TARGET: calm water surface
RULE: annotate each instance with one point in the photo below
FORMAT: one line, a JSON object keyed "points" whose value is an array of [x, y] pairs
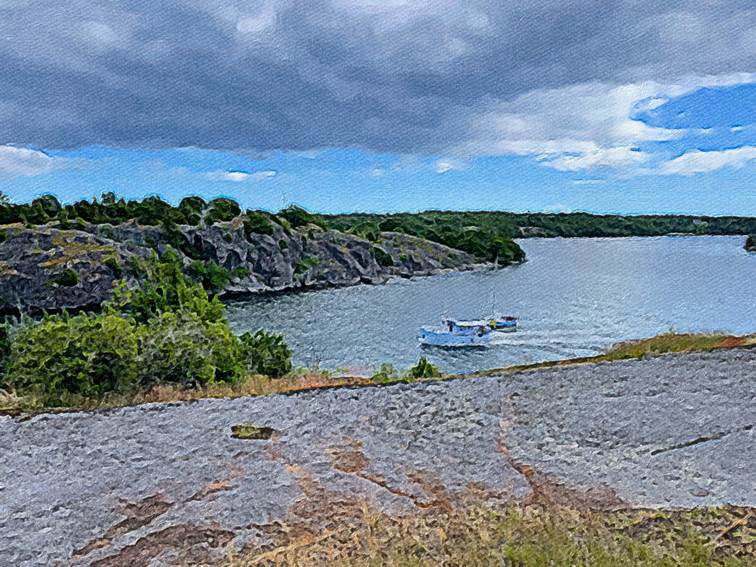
{"points": [[574, 297]]}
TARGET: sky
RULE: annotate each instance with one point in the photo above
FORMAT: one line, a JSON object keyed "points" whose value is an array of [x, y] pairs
{"points": [[612, 106]]}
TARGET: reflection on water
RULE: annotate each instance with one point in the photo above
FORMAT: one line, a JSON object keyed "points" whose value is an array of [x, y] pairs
{"points": [[574, 297]]}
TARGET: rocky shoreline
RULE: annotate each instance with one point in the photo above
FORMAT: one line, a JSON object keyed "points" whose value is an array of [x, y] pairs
{"points": [[159, 483], [52, 267]]}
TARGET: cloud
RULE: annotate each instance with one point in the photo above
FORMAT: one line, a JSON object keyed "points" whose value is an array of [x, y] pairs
{"points": [[24, 162], [585, 126], [588, 181], [240, 176], [446, 165], [697, 161], [398, 76]]}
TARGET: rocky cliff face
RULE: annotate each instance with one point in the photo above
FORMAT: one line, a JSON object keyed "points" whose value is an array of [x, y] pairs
{"points": [[50, 267]]}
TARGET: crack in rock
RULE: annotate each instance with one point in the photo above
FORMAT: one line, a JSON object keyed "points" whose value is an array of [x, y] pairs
{"points": [[702, 439]]}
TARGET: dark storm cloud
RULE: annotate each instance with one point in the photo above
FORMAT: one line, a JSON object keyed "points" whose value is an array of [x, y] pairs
{"points": [[386, 75]]}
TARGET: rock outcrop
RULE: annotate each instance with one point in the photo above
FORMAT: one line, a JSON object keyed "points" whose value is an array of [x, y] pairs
{"points": [[172, 484], [750, 243], [50, 268]]}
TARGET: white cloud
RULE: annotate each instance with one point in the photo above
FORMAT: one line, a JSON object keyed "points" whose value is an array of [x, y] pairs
{"points": [[24, 162], [617, 158], [585, 126], [697, 161], [260, 175], [588, 181], [446, 165], [240, 176]]}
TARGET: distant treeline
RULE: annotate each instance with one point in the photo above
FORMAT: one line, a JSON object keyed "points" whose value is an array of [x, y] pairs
{"points": [[486, 235], [437, 225], [152, 211]]}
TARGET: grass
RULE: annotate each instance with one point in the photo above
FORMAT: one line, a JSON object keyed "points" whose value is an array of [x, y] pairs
{"points": [[527, 536], [666, 343], [302, 380], [13, 404]]}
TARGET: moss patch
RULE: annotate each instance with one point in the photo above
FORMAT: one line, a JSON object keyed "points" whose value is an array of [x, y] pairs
{"points": [[251, 431]]}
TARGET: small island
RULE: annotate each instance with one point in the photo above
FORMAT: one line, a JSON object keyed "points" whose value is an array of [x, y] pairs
{"points": [[750, 243]]}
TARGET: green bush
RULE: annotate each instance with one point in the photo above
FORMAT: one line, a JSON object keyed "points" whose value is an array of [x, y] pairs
{"points": [[367, 230], [113, 263], [266, 353], [182, 348], [305, 264], [386, 373], [164, 288], [86, 355], [297, 216], [423, 369], [5, 349], [256, 222], [383, 258], [67, 278], [211, 275], [191, 209], [222, 210]]}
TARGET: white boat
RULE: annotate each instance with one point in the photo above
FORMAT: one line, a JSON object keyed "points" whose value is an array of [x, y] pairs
{"points": [[461, 333]]}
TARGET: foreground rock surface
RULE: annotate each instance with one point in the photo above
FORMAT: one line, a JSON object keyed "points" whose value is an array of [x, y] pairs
{"points": [[167, 483]]}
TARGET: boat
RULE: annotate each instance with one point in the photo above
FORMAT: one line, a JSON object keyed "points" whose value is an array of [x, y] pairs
{"points": [[465, 333]]}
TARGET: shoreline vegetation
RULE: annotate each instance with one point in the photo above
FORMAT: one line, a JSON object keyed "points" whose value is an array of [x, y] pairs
{"points": [[302, 380]]}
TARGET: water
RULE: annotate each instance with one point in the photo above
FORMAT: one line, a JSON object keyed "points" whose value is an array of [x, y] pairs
{"points": [[574, 297]]}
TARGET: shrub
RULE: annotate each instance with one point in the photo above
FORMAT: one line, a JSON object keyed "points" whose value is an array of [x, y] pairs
{"points": [[86, 354], [367, 230], [182, 348], [257, 222], [113, 263], [164, 288], [5, 349], [191, 208], [297, 216], [211, 275], [67, 278], [383, 258], [222, 210], [386, 373], [266, 353], [305, 264], [423, 369]]}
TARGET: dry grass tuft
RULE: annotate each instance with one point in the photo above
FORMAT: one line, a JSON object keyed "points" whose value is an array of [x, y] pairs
{"points": [[529, 536]]}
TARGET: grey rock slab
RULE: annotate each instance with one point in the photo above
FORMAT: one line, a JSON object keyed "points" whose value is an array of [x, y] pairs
{"points": [[128, 484]]}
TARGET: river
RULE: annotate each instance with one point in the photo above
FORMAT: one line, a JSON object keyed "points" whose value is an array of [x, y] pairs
{"points": [[574, 297]]}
